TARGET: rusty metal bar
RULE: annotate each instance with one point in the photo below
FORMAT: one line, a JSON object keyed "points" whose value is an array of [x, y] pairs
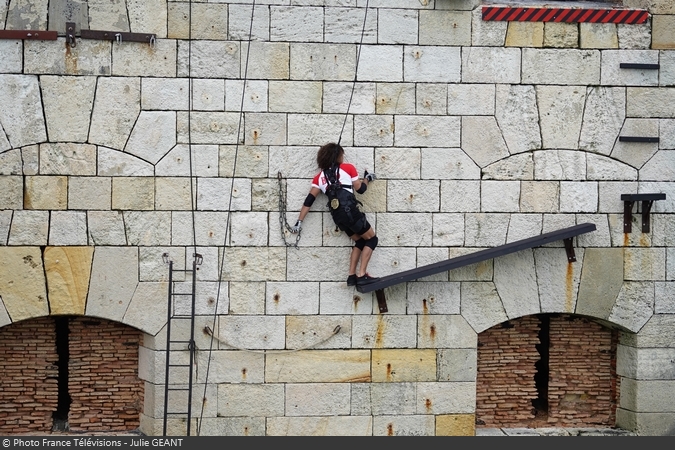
{"points": [[118, 36], [31, 35], [646, 201]]}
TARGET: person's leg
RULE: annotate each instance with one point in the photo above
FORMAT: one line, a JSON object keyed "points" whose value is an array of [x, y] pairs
{"points": [[369, 245], [356, 253]]}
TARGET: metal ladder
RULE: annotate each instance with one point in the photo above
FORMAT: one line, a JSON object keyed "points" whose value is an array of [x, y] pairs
{"points": [[180, 343]]}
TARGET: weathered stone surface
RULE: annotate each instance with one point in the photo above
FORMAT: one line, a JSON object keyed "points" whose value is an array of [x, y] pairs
{"points": [[116, 163], [251, 332], [41, 192], [499, 196], [457, 364], [516, 283], [598, 35], [30, 157], [254, 98], [221, 194], [68, 228], [612, 74], [634, 305], [27, 15], [637, 154], [432, 64], [259, 264], [337, 95], [481, 306], [317, 332], [647, 395], [165, 93], [11, 192], [413, 196], [173, 194], [482, 140], [432, 98], [73, 93], [147, 16], [485, 229], [634, 36], [240, 26], [253, 400], [320, 426], [431, 297], [491, 65], [148, 227], [326, 62], [448, 164], [114, 277], [561, 35], [660, 167], [145, 60], [67, 159], [106, 228], [604, 168], [386, 399], [376, 130], [318, 366], [153, 135], [29, 228], [523, 226], [646, 364], [115, 111], [471, 99], [451, 28], [89, 57], [560, 112], [667, 134], [448, 230], [231, 366], [539, 196], [559, 165], [558, 279], [518, 117], [21, 115], [427, 131], [89, 193], [22, 281], [145, 311], [662, 27], [338, 298], [133, 193], [644, 264], [487, 33], [561, 66], [525, 34], [5, 221], [298, 24], [292, 298], [404, 425], [109, 15], [603, 117], [445, 331], [456, 425], [314, 130], [395, 98], [518, 167], [404, 365], [650, 102], [446, 397], [13, 55], [657, 332], [381, 63], [67, 270], [601, 281], [384, 331], [406, 230], [578, 196]]}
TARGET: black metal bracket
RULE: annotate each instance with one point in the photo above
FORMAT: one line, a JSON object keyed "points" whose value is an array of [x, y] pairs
{"points": [[30, 35], [118, 36], [70, 34], [646, 201], [639, 66], [638, 139], [565, 234]]}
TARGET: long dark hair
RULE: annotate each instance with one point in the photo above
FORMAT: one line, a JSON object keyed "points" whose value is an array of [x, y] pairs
{"points": [[328, 155]]}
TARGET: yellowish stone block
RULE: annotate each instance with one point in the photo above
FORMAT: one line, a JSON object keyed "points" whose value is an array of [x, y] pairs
{"points": [[561, 35], [525, 34], [663, 32], [456, 425], [68, 270], [22, 283], [46, 192], [404, 365], [318, 366], [598, 35]]}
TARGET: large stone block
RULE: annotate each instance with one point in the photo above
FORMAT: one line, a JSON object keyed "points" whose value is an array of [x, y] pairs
{"points": [[598, 35], [451, 28], [434, 297], [446, 397], [320, 426], [252, 332], [296, 24], [601, 281], [396, 26], [147, 16], [445, 331], [116, 109], [456, 425], [114, 277], [414, 196], [525, 34], [73, 93], [650, 102], [145, 60], [481, 306], [21, 115], [68, 228], [251, 400], [491, 65], [647, 396], [457, 364], [431, 64], [634, 305], [646, 364], [404, 365], [133, 193], [561, 66], [317, 399], [29, 228], [558, 279], [384, 331], [88, 57], [516, 283], [518, 117], [560, 110], [23, 285], [662, 31], [41, 192], [335, 62]]}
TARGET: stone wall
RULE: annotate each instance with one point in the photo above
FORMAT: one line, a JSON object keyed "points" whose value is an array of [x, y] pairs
{"points": [[481, 133]]}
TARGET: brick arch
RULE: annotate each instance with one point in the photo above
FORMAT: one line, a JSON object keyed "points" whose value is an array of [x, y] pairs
{"points": [[69, 372], [547, 370]]}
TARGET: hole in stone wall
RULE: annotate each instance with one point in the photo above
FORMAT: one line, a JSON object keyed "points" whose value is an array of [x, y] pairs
{"points": [[540, 404], [60, 416]]}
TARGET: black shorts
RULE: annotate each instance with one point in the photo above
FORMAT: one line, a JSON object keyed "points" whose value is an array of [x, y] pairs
{"points": [[359, 227]]}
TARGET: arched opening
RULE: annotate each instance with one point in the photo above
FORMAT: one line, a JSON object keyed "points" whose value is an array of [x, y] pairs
{"points": [[549, 370], [69, 373]]}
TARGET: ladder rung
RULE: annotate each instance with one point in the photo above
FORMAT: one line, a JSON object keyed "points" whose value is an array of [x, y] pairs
{"points": [[177, 389]]}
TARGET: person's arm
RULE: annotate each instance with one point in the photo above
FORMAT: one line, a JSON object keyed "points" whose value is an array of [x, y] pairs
{"points": [[361, 185], [313, 193]]}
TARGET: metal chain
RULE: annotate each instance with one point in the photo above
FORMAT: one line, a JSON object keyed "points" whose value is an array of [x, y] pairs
{"points": [[283, 222]]}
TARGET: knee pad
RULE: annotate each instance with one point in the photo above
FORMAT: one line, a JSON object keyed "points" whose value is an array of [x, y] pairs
{"points": [[372, 242], [360, 244]]}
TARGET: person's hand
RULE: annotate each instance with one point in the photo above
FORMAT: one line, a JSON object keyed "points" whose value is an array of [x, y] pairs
{"points": [[368, 176], [297, 227]]}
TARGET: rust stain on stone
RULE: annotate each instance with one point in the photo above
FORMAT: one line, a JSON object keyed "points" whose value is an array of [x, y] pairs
{"points": [[569, 287], [71, 61], [243, 373], [389, 372], [379, 335], [427, 404], [425, 307], [626, 239], [390, 429], [277, 297]]}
